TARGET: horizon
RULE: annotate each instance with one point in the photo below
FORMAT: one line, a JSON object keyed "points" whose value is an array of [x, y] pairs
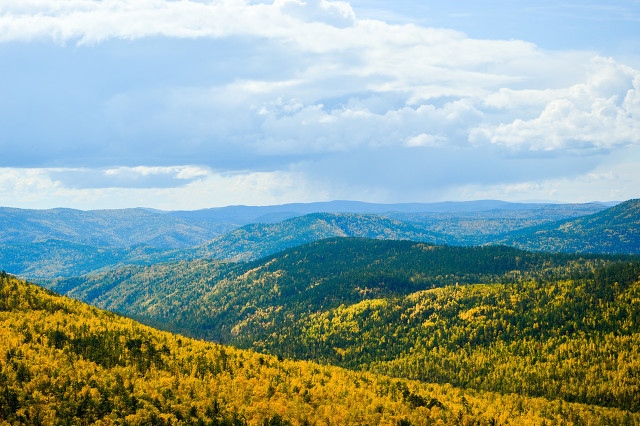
{"points": [[204, 104], [532, 202]]}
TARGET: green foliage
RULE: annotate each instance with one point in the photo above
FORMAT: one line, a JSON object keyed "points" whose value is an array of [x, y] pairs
{"points": [[613, 230], [105, 228], [237, 302], [254, 241], [481, 227], [55, 258]]}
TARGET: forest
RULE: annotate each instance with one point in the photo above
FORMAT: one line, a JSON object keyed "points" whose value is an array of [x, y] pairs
{"points": [[342, 330], [483, 318], [64, 362]]}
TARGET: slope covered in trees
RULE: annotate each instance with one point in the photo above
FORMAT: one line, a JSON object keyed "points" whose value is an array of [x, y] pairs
{"points": [[577, 339], [614, 231], [480, 227], [487, 318], [64, 362], [56, 258], [254, 241], [29, 256], [105, 228], [214, 298]]}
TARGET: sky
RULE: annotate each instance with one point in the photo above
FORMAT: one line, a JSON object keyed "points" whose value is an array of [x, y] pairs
{"points": [[187, 104]]}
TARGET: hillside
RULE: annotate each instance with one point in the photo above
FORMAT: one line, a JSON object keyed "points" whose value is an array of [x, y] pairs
{"points": [[55, 258], [105, 228], [490, 318], [218, 299], [576, 339], [615, 230], [63, 242], [480, 227], [258, 240], [67, 363]]}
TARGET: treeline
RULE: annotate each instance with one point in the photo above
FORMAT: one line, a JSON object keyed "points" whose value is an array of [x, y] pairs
{"points": [[64, 362]]}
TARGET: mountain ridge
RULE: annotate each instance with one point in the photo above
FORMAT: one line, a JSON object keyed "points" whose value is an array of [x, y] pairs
{"points": [[615, 230]]}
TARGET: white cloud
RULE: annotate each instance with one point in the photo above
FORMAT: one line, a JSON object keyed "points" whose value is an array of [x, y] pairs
{"points": [[599, 114], [35, 188], [424, 139], [336, 13], [127, 177], [617, 183]]}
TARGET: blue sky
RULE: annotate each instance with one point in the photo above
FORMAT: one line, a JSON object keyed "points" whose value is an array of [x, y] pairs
{"points": [[193, 104]]}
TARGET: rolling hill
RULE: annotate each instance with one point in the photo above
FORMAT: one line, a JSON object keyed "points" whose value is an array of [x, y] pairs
{"points": [[615, 230], [55, 258], [105, 228], [216, 297], [479, 227], [64, 362], [59, 258], [243, 215], [254, 241], [483, 318]]}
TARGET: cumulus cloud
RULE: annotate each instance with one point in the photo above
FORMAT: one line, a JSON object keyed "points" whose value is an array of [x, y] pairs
{"points": [[128, 177], [336, 13], [92, 21], [599, 114]]}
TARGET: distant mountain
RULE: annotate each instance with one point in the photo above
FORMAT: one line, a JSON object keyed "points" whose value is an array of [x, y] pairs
{"points": [[55, 258], [615, 230], [105, 228], [242, 215], [51, 258], [479, 227], [257, 240]]}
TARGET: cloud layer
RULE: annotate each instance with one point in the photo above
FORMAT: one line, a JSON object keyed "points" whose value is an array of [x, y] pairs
{"points": [[134, 94]]}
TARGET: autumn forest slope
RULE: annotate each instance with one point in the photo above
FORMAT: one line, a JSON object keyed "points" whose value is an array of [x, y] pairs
{"points": [[65, 362], [484, 318]]}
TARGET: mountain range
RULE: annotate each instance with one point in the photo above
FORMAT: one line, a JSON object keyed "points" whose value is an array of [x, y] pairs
{"points": [[614, 230], [34, 255]]}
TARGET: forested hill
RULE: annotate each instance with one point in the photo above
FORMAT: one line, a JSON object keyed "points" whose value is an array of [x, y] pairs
{"points": [[615, 230], [64, 362], [486, 318], [105, 228], [232, 301], [257, 240], [56, 258], [91, 242]]}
